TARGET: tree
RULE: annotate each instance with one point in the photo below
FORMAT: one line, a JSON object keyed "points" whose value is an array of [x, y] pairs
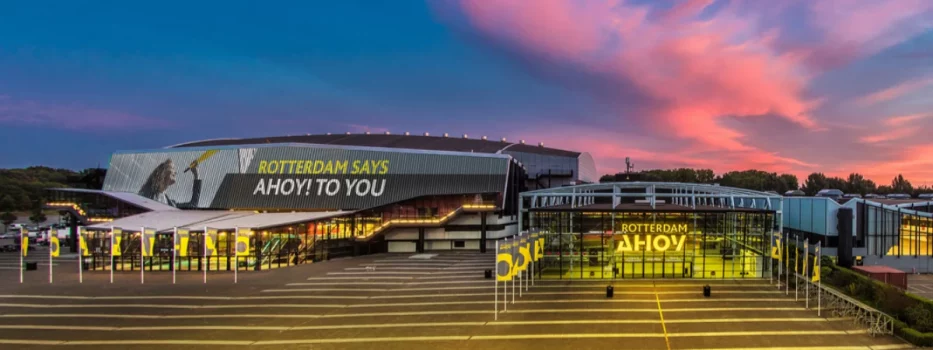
{"points": [[7, 203], [815, 182], [859, 184], [901, 185], [7, 218], [37, 215]]}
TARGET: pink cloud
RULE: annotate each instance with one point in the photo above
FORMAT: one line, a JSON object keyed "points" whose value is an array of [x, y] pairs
{"points": [[904, 119], [71, 116], [890, 135], [894, 92]]}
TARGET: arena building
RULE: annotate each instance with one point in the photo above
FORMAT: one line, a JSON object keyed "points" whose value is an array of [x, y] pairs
{"points": [[309, 198]]}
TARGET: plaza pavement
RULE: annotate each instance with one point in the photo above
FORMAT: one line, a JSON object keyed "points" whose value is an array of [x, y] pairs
{"points": [[393, 301]]}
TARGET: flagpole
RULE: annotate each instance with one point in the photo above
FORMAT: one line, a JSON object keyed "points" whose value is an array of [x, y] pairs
{"points": [[796, 263], [787, 264], [806, 271], [204, 255], [514, 245], [174, 253], [819, 291], [780, 261], [771, 261], [496, 300], [236, 256], [142, 254], [22, 251], [505, 284], [50, 251], [80, 258], [112, 239]]}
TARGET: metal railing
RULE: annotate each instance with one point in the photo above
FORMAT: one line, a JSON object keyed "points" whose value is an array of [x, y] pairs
{"points": [[843, 306]]}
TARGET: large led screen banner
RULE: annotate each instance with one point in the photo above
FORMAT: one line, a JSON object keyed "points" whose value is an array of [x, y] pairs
{"points": [[300, 177]]}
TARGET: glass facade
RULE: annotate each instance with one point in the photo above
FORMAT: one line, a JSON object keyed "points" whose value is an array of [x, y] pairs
{"points": [[608, 244], [887, 232]]}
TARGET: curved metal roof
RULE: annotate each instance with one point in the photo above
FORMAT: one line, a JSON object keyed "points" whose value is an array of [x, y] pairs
{"points": [[434, 143], [675, 193]]}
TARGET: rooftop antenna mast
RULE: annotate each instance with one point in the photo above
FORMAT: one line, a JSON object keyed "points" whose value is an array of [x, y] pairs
{"points": [[629, 166]]}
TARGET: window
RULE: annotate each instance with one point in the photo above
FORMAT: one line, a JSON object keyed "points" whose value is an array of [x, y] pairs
{"points": [[459, 244]]}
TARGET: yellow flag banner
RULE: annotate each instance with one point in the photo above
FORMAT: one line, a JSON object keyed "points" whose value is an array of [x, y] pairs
{"points": [[504, 262], [776, 247], [24, 240], [210, 242], [796, 258], [806, 256], [147, 241], [117, 238], [525, 250], [54, 246], [816, 264], [181, 242], [83, 243], [242, 242]]}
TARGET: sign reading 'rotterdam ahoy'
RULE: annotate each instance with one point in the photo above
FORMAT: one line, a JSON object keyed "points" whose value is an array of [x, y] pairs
{"points": [[651, 243], [652, 237]]}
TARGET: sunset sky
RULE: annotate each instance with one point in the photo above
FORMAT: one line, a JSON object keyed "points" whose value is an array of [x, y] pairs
{"points": [[787, 86]]}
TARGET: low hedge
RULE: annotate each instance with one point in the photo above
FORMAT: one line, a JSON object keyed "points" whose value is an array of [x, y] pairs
{"points": [[913, 315]]}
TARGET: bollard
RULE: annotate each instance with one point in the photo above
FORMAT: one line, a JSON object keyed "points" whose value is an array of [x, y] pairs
{"points": [[706, 291], [31, 266], [609, 291], [488, 274]]}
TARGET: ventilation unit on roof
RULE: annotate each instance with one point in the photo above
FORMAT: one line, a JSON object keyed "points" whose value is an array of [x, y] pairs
{"points": [[388, 133], [407, 133], [521, 141], [540, 144], [348, 133], [427, 134], [445, 134], [484, 138], [504, 140], [466, 136]]}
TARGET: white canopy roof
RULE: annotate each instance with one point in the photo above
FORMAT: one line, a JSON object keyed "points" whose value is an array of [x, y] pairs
{"points": [[127, 197], [197, 220], [263, 220]]}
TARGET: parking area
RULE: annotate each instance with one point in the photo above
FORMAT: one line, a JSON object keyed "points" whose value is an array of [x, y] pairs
{"points": [[393, 301], [921, 285]]}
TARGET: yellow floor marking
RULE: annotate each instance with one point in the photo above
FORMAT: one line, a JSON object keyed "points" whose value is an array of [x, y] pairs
{"points": [[663, 326], [360, 278], [346, 284], [662, 293], [172, 297], [30, 342], [359, 340], [389, 325], [257, 316], [624, 286], [566, 336], [158, 342], [412, 296], [867, 347], [377, 273], [759, 333], [171, 306], [474, 278], [438, 288], [423, 303], [652, 321], [740, 320], [653, 310], [413, 313], [652, 301], [322, 290]]}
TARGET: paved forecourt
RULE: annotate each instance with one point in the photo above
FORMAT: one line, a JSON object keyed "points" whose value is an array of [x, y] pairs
{"points": [[400, 302]]}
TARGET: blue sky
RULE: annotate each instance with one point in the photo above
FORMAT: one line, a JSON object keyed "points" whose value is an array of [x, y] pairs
{"points": [[81, 80]]}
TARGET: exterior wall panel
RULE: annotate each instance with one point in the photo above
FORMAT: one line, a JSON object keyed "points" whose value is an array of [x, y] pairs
{"points": [[300, 177]]}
